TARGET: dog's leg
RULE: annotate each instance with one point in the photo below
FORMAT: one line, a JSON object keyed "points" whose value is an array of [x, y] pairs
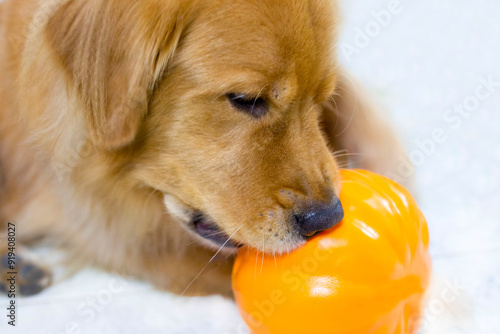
{"points": [[30, 274], [206, 277], [192, 271], [359, 136], [20, 268]]}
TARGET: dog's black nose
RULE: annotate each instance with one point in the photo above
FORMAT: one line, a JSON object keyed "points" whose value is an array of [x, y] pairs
{"points": [[319, 217]]}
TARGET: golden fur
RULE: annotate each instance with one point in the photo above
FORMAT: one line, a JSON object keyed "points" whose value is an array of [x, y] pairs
{"points": [[112, 109]]}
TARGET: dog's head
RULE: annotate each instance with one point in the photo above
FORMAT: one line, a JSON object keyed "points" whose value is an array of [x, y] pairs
{"points": [[220, 104]]}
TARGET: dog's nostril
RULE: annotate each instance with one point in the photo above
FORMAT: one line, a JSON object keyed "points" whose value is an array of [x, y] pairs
{"points": [[319, 217]]}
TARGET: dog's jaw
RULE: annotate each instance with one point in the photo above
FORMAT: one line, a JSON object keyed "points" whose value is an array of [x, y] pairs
{"points": [[209, 234], [198, 226]]}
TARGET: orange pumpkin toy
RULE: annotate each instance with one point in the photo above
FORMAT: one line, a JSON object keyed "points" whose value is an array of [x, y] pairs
{"points": [[366, 275]]}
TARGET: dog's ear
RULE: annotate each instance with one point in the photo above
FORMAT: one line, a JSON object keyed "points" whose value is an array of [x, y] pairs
{"points": [[114, 52]]}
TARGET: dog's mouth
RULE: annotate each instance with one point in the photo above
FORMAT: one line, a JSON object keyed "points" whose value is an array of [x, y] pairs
{"points": [[208, 230]]}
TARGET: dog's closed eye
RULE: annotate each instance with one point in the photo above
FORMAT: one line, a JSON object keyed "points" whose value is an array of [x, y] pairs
{"points": [[254, 106]]}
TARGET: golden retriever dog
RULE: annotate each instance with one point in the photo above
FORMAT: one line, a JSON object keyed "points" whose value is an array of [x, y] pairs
{"points": [[153, 138]]}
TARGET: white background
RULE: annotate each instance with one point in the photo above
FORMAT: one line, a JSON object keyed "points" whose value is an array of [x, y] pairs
{"points": [[428, 58]]}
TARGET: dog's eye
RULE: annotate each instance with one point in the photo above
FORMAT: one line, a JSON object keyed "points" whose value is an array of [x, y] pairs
{"points": [[257, 107]]}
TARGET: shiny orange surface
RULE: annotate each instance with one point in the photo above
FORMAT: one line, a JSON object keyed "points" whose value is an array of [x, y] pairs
{"points": [[367, 275]]}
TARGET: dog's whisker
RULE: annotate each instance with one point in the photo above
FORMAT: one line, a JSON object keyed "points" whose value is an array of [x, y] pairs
{"points": [[208, 263], [340, 151], [209, 235], [351, 118], [352, 155], [216, 233], [334, 101], [351, 164], [224, 245], [344, 166], [255, 268], [363, 175], [233, 231], [263, 253]]}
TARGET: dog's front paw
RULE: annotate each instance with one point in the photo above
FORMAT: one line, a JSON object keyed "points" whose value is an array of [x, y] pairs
{"points": [[23, 276]]}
